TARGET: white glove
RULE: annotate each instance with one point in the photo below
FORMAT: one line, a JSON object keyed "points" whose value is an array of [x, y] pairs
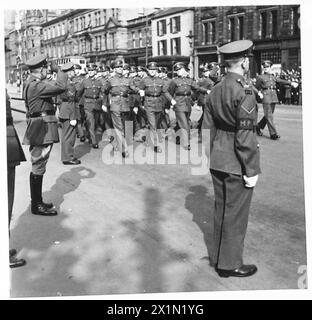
{"points": [[167, 111], [208, 91], [73, 122], [260, 94], [142, 93], [173, 102], [250, 182], [295, 84], [135, 110], [104, 108]]}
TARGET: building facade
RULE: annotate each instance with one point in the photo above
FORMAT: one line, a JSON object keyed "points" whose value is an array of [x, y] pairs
{"points": [[172, 33], [273, 29]]}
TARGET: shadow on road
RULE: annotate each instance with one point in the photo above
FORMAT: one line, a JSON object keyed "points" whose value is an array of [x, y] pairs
{"points": [[41, 240], [82, 149], [201, 205]]}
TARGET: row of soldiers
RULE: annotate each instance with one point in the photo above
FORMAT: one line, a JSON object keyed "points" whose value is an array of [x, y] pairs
{"points": [[104, 99]]}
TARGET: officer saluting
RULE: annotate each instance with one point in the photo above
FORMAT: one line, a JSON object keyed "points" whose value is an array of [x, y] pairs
{"points": [[68, 116], [231, 114], [42, 129]]}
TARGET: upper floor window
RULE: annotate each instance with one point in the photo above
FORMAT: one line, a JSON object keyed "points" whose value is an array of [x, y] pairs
{"points": [[175, 24], [294, 18], [176, 46], [161, 27], [162, 47], [133, 39], [140, 38], [209, 32], [236, 27]]}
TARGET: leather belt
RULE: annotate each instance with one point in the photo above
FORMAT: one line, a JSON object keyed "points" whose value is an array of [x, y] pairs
{"points": [[183, 95], [94, 98], [124, 95], [228, 128], [153, 95], [42, 114]]}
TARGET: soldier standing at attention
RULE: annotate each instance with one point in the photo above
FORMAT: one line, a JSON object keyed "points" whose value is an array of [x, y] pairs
{"points": [[118, 89], [42, 128], [91, 90], [180, 89], [266, 84], [68, 116], [231, 114], [153, 88]]}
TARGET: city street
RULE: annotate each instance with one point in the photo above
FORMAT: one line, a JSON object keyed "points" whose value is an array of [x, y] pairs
{"points": [[135, 228]]}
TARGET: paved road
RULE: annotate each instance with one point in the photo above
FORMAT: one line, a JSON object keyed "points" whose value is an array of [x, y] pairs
{"points": [[147, 228]]}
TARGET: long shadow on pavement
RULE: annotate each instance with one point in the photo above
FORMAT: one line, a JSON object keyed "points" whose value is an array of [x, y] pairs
{"points": [[201, 206], [41, 240]]}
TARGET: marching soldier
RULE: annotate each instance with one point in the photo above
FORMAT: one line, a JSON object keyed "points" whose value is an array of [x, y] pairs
{"points": [[153, 88], [68, 116], [266, 84], [231, 114], [165, 122], [180, 90], [118, 89], [42, 128], [15, 155], [91, 90], [79, 76], [208, 81]]}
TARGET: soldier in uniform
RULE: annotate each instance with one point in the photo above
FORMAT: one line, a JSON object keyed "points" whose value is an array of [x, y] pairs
{"points": [[266, 84], [153, 89], [91, 90], [15, 155], [79, 76], [42, 128], [180, 90], [207, 81], [68, 115], [118, 88], [231, 114], [165, 119]]}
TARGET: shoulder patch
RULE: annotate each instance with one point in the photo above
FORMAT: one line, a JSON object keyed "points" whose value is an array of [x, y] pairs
{"points": [[248, 91]]}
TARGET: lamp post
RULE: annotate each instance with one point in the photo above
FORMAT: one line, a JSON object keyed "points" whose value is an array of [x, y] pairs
{"points": [[190, 36]]}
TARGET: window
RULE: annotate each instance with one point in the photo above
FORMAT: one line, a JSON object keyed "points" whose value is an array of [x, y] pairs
{"points": [[133, 39], [32, 43], [95, 19], [263, 22], [232, 29], [175, 24], [99, 18], [274, 24], [161, 27], [105, 42], [98, 42], [104, 16], [113, 12], [241, 27], [140, 39], [89, 22], [294, 19], [175, 46], [162, 47], [209, 32], [113, 40], [273, 55]]}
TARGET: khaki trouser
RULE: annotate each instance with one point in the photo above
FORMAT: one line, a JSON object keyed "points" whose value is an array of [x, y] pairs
{"points": [[232, 203], [39, 156]]}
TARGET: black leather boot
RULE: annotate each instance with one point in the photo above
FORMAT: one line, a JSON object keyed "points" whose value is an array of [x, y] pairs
{"points": [[37, 206], [38, 179]]}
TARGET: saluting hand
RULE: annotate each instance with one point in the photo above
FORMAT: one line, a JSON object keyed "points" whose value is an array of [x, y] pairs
{"points": [[104, 108], [135, 110]]}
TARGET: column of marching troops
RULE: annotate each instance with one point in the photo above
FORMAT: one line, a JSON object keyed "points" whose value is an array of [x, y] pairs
{"points": [[106, 98]]}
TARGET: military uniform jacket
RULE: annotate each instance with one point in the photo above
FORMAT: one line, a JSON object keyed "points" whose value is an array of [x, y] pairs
{"points": [[68, 101], [266, 83], [206, 83], [15, 153], [181, 89], [119, 89], [231, 113], [38, 96], [136, 98], [91, 89], [154, 89]]}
